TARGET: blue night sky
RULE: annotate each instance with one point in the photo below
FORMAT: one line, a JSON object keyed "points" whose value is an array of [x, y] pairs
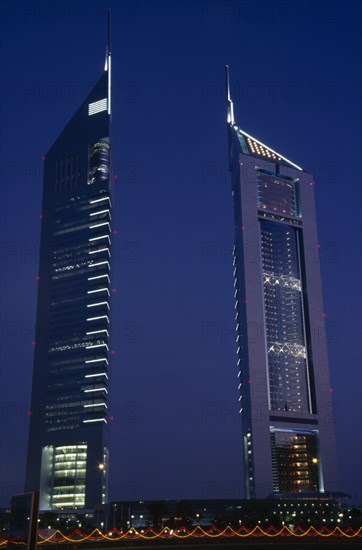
{"points": [[296, 82]]}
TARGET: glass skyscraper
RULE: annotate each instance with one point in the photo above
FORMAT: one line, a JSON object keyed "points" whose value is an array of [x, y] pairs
{"points": [[283, 377], [68, 438]]}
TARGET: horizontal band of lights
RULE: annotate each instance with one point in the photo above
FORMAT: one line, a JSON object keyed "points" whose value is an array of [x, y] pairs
{"points": [[100, 200], [99, 238], [98, 290], [62, 467], [67, 495], [71, 457], [149, 533], [99, 317], [97, 360], [100, 212], [98, 304], [97, 332], [98, 346], [285, 281], [98, 250], [69, 504], [295, 350], [92, 390], [97, 374], [99, 225], [99, 263], [70, 448], [94, 420], [99, 277], [96, 405], [97, 107]]}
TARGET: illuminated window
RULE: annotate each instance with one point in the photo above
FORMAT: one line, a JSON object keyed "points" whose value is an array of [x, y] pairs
{"points": [[99, 161], [277, 194], [97, 107], [64, 474], [295, 461]]}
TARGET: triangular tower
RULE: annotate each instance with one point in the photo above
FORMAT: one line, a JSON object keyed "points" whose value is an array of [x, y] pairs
{"points": [[68, 437]]}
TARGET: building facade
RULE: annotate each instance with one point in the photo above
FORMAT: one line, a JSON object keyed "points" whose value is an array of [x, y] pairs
{"points": [[283, 376], [68, 439]]}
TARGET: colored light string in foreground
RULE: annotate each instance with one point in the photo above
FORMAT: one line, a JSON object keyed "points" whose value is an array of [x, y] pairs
{"points": [[183, 533]]}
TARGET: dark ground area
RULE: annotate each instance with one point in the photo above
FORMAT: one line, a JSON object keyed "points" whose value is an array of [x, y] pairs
{"points": [[280, 544]]}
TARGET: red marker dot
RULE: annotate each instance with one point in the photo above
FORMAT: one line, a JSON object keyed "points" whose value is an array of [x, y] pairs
{"points": [[34, 343], [318, 245], [331, 390], [113, 352], [111, 418], [29, 413], [324, 315], [115, 177], [41, 216], [37, 277], [114, 290], [43, 157], [249, 381]]}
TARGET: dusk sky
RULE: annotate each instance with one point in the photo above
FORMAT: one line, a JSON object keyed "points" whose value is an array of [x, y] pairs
{"points": [[296, 85]]}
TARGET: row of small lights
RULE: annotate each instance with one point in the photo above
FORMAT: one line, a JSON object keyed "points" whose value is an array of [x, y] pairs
{"points": [[212, 532], [98, 250]]}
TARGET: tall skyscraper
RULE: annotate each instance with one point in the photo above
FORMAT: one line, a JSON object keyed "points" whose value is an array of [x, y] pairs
{"points": [[285, 395], [68, 438]]}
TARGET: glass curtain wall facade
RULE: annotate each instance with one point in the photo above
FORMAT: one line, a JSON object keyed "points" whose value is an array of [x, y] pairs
{"points": [[283, 376], [68, 438]]}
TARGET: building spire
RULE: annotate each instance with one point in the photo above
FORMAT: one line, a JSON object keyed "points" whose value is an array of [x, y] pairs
{"points": [[107, 66], [109, 32], [230, 116], [108, 48]]}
